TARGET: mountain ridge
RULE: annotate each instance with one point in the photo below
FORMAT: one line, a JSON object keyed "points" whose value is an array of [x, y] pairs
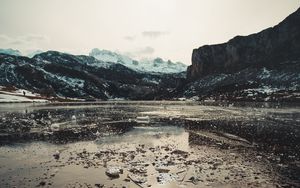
{"points": [[157, 65], [265, 48], [262, 66], [59, 74]]}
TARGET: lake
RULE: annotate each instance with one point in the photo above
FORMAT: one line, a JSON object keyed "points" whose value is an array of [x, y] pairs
{"points": [[149, 144]]}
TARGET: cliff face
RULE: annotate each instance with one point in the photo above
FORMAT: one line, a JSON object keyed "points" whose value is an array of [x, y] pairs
{"points": [[272, 48]]}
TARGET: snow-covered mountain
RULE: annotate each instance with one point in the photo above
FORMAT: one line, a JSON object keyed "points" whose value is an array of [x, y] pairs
{"points": [[10, 52], [33, 53], [156, 65], [55, 74]]}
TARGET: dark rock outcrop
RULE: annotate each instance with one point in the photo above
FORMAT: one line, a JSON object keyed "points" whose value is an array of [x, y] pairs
{"points": [[260, 67], [272, 48]]}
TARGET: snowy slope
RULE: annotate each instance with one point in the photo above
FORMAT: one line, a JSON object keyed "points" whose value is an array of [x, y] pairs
{"points": [[157, 65], [10, 52], [17, 95], [6, 98], [31, 54]]}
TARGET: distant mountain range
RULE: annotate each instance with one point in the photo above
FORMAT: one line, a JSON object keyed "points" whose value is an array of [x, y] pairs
{"points": [[157, 65], [54, 73], [10, 52]]}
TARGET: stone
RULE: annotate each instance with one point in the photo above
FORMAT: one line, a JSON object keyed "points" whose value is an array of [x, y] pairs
{"points": [[114, 172], [56, 155], [42, 183], [99, 185], [162, 169]]}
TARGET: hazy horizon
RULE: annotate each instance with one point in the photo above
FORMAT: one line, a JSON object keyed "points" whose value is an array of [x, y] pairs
{"points": [[169, 29]]}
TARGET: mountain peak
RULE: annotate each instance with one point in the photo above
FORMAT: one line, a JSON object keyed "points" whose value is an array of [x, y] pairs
{"points": [[157, 65], [271, 48], [10, 51]]}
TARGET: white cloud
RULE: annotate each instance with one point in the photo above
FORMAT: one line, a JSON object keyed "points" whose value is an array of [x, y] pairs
{"points": [[23, 43], [37, 38], [154, 34], [130, 38]]}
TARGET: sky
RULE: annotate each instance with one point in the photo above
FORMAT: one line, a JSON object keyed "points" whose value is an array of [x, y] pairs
{"points": [[169, 29]]}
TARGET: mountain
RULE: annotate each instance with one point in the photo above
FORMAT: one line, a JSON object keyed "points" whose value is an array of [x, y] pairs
{"points": [[10, 52], [156, 65], [59, 74], [33, 53], [259, 66]]}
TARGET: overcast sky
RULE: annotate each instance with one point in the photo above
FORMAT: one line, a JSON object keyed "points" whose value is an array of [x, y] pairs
{"points": [[170, 29]]}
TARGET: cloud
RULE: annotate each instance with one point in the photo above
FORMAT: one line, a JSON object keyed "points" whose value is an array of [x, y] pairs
{"points": [[154, 34], [23, 39], [38, 38], [4, 38], [22, 43], [130, 38]]}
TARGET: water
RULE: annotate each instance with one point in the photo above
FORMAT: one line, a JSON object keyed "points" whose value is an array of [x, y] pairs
{"points": [[185, 144]]}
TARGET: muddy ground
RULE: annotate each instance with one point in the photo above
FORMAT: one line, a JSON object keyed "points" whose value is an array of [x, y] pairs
{"points": [[150, 144]]}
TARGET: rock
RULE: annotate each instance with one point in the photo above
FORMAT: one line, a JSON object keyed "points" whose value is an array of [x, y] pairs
{"points": [[56, 155], [141, 170], [127, 179], [180, 152], [240, 52], [164, 178], [137, 179], [244, 67], [162, 169], [114, 172], [42, 183], [99, 185]]}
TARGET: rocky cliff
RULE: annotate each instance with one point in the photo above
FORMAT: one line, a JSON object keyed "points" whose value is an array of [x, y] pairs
{"points": [[260, 67], [272, 48]]}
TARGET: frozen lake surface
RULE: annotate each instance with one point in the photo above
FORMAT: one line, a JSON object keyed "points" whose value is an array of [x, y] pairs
{"points": [[149, 144]]}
